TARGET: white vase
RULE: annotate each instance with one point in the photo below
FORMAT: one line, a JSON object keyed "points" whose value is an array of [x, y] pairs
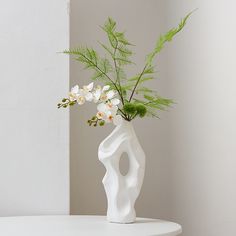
{"points": [[122, 191]]}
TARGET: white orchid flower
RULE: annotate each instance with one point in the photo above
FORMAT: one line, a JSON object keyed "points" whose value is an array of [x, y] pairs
{"points": [[100, 92], [100, 115], [73, 94], [113, 102], [111, 114], [86, 92], [80, 99], [107, 112], [110, 94], [81, 95], [108, 106], [97, 93], [107, 96], [88, 88], [88, 96], [105, 88]]}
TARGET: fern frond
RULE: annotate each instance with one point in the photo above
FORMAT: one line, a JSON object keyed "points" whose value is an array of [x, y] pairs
{"points": [[91, 60], [157, 102], [166, 38], [159, 45], [118, 43]]}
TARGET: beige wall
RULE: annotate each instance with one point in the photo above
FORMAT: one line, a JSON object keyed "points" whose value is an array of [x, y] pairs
{"points": [[191, 166]]}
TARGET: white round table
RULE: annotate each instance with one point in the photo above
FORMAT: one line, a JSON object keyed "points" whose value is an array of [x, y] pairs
{"points": [[83, 226]]}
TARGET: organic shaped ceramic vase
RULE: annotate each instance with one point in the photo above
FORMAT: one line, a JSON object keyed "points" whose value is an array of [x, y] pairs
{"points": [[122, 191]]}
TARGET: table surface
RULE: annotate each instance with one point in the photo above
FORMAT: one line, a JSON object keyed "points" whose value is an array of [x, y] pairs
{"points": [[83, 226]]}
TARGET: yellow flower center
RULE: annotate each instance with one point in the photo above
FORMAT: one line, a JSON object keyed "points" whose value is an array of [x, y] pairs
{"points": [[110, 117]]}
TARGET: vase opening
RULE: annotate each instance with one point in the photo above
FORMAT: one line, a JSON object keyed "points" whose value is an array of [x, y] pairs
{"points": [[124, 164]]}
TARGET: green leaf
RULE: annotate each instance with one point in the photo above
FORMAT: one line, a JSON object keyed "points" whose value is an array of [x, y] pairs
{"points": [[109, 25], [142, 80], [166, 38], [149, 70], [123, 61], [149, 98], [158, 103], [145, 91]]}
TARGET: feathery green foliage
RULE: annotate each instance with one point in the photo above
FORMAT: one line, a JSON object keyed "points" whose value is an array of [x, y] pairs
{"points": [[137, 99], [91, 60], [167, 37]]}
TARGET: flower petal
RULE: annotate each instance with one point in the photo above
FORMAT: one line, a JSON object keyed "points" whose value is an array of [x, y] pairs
{"points": [[72, 97], [82, 92], [98, 87], [75, 89], [80, 100], [108, 118], [115, 101], [90, 86], [102, 107], [105, 88], [89, 96], [110, 94], [96, 95], [100, 115]]}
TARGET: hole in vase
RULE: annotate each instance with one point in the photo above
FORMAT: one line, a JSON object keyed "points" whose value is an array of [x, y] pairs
{"points": [[124, 164]]}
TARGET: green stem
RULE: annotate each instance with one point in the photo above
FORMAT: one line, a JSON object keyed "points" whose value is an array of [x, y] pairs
{"points": [[134, 116], [116, 69], [123, 114], [117, 75], [103, 73], [137, 82]]}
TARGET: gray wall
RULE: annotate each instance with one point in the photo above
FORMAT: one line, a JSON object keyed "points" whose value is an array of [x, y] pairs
{"points": [[34, 156], [191, 150]]}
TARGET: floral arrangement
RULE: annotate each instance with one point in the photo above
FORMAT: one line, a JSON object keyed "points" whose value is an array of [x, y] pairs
{"points": [[119, 97]]}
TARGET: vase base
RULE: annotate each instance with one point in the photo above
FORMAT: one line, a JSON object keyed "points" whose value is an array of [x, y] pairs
{"points": [[121, 221]]}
